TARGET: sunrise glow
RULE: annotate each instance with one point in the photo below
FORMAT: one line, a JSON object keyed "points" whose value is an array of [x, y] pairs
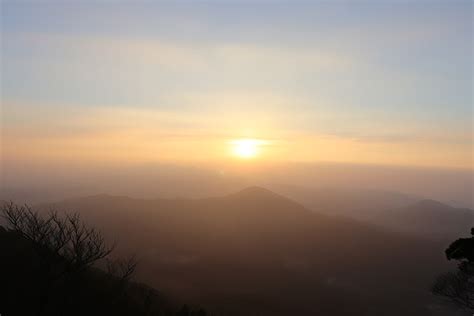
{"points": [[247, 148]]}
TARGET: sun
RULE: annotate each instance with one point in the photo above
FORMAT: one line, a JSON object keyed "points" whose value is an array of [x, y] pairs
{"points": [[246, 148]]}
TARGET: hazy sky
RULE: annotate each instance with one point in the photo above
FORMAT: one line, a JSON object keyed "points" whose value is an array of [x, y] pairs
{"points": [[355, 81]]}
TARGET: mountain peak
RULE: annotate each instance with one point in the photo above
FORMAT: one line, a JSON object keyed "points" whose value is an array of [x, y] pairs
{"points": [[431, 204], [256, 191], [265, 197]]}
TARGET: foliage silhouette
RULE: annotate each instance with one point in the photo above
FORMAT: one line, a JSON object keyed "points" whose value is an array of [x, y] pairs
{"points": [[458, 286]]}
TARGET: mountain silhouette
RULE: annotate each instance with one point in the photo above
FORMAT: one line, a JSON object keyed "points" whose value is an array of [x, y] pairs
{"points": [[355, 203], [255, 250], [427, 218], [395, 211]]}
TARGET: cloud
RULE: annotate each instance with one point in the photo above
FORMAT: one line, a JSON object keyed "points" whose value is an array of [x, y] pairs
{"points": [[185, 56]]}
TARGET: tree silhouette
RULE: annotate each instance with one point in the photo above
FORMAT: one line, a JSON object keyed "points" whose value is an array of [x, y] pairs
{"points": [[458, 286], [123, 269], [50, 263], [65, 247], [67, 237]]}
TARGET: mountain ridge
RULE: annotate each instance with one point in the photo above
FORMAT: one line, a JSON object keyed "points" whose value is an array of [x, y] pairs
{"points": [[260, 240]]}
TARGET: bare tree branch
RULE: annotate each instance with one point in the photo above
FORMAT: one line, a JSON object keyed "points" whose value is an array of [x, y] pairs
{"points": [[67, 237]]}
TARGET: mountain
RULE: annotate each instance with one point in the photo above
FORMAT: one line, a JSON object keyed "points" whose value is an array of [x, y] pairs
{"points": [[428, 218], [359, 204], [391, 210], [256, 252]]}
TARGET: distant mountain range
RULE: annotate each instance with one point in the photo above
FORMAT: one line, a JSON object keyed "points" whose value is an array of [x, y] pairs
{"points": [[256, 252], [428, 218], [395, 211]]}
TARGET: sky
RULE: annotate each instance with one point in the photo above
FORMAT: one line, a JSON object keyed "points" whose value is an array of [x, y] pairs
{"points": [[359, 82]]}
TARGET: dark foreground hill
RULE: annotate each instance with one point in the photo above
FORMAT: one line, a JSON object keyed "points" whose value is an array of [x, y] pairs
{"points": [[258, 253], [44, 272]]}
